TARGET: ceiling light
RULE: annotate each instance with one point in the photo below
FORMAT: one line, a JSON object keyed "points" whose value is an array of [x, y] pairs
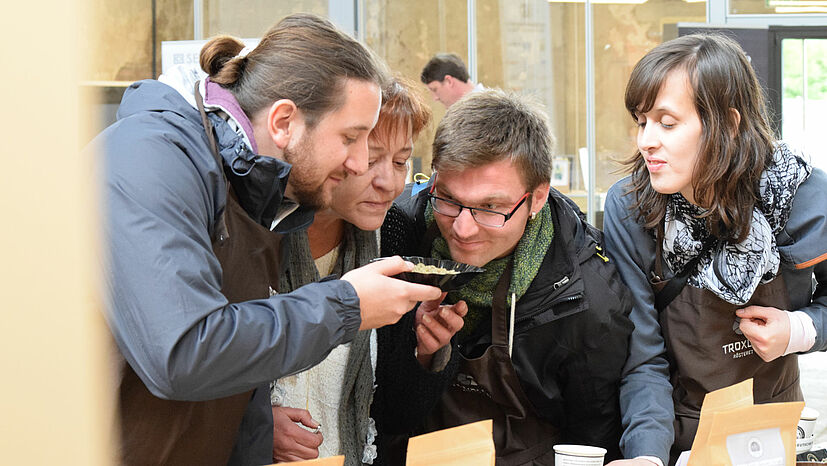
{"points": [[801, 9], [604, 2]]}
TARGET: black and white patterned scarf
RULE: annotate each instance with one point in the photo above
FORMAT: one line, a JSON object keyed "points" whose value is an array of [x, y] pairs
{"points": [[734, 271]]}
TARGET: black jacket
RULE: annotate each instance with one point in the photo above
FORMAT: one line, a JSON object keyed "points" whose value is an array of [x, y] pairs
{"points": [[571, 335]]}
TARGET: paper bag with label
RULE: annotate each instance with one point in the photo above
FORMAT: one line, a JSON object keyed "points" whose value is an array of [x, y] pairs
{"points": [[466, 445], [734, 432], [732, 397], [329, 461], [758, 435]]}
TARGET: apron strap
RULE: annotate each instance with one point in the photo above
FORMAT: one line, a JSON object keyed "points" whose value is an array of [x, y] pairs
{"points": [[208, 128], [499, 316], [428, 240], [673, 287], [220, 229]]}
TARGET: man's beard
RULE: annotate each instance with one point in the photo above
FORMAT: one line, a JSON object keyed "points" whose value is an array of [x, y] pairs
{"points": [[305, 179]]}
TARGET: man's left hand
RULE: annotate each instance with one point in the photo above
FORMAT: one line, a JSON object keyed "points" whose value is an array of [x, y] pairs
{"points": [[435, 325]]}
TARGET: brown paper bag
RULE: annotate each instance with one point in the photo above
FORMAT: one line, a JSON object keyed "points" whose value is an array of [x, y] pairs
{"points": [[732, 397], [467, 445], [329, 461], [732, 431], [760, 434]]}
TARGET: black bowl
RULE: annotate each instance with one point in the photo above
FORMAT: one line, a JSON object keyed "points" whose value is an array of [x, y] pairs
{"points": [[445, 282]]}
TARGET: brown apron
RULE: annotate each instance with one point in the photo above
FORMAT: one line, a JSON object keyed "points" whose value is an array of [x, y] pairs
{"points": [[487, 387], [157, 431], [707, 351]]}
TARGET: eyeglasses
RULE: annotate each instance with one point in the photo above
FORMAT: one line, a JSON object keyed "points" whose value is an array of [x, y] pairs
{"points": [[484, 217]]}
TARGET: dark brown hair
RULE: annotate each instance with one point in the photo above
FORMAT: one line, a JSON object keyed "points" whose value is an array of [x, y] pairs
{"points": [[441, 65], [303, 58], [731, 156], [403, 105], [493, 125]]}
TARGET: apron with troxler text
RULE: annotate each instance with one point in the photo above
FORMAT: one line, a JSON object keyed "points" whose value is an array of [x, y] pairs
{"points": [[487, 387], [157, 431], [707, 351]]}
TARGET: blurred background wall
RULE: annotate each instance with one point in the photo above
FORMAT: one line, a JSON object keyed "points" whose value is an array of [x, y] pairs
{"points": [[55, 396]]}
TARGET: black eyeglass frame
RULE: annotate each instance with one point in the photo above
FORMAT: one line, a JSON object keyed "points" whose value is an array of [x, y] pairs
{"points": [[506, 217]]}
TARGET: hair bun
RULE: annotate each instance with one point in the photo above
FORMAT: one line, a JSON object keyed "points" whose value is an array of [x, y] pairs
{"points": [[217, 53]]}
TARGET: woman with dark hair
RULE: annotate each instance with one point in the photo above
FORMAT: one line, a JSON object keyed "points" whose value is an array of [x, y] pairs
{"points": [[720, 232]]}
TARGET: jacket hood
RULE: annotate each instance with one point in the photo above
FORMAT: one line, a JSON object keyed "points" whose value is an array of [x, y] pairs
{"points": [[258, 181], [153, 96]]}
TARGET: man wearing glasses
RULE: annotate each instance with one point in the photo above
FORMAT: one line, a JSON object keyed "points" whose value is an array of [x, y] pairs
{"points": [[545, 336]]}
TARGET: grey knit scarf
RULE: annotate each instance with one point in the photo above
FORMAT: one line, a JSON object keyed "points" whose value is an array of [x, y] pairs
{"points": [[357, 248]]}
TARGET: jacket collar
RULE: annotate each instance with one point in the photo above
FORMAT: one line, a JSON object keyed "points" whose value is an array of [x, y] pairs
{"points": [[559, 275], [258, 181], [216, 97]]}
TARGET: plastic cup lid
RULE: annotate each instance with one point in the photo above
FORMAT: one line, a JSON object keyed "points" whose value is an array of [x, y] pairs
{"points": [[580, 450], [809, 414]]}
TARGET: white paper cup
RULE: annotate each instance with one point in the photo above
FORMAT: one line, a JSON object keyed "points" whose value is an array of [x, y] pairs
{"points": [[578, 455], [806, 426]]}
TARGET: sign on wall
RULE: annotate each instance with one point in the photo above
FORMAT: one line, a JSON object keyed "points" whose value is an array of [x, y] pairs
{"points": [[186, 52]]}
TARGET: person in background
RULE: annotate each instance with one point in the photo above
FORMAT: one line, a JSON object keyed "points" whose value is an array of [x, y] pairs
{"points": [[342, 238], [720, 233], [447, 79], [545, 336], [196, 199]]}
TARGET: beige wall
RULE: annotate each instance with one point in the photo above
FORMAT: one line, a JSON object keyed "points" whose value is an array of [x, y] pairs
{"points": [[407, 35], [623, 34], [55, 397], [118, 36], [252, 18]]}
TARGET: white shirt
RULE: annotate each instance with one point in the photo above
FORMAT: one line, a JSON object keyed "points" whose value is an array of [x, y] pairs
{"points": [[319, 389]]}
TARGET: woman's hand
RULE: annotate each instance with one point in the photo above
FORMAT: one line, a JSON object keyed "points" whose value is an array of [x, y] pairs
{"points": [[767, 328], [435, 325], [292, 442]]}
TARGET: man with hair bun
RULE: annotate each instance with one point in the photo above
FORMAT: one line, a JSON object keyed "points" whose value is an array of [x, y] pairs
{"points": [[199, 185]]}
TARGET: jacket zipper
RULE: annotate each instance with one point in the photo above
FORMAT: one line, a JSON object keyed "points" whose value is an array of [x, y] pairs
{"points": [[561, 283], [567, 299]]}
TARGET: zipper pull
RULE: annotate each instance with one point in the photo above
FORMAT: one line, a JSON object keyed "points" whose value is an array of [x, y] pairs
{"points": [[598, 250], [560, 283]]}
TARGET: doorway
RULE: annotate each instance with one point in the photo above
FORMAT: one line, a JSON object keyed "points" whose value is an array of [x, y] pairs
{"points": [[799, 79]]}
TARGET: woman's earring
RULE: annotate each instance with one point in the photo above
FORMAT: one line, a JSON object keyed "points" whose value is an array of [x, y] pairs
{"points": [[533, 215]]}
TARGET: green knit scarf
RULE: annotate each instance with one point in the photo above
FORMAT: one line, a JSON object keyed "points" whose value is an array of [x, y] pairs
{"points": [[479, 292]]}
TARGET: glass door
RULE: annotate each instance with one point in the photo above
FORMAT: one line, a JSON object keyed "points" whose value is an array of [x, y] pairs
{"points": [[804, 95], [798, 87]]}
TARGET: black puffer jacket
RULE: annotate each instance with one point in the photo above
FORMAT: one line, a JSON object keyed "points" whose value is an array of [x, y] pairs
{"points": [[571, 335]]}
